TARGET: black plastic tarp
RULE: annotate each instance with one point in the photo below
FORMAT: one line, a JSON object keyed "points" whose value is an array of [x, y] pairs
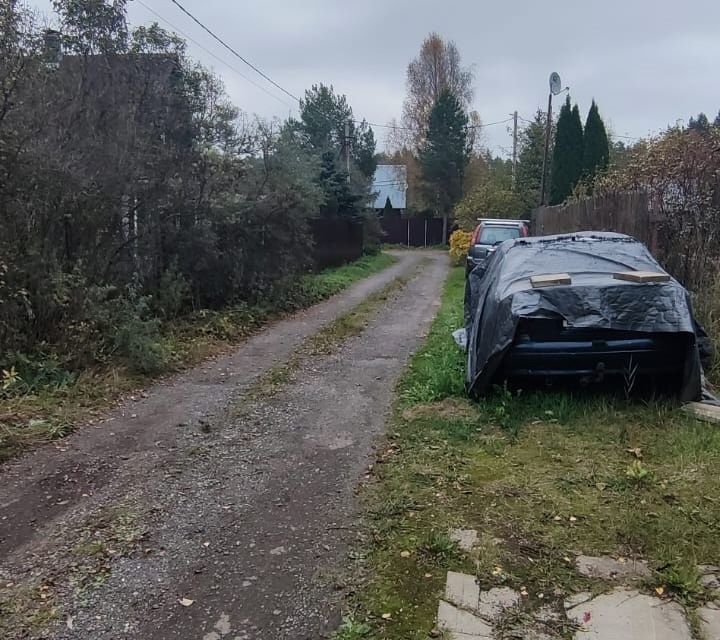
{"points": [[499, 294]]}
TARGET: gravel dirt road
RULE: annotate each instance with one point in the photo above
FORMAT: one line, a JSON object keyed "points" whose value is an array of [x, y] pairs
{"points": [[201, 512]]}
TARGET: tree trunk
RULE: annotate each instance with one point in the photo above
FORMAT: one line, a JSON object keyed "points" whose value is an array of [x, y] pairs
{"points": [[445, 229]]}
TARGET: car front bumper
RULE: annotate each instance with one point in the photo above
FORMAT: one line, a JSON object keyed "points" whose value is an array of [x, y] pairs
{"points": [[594, 357]]}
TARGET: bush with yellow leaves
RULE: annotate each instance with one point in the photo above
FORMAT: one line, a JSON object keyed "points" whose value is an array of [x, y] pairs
{"points": [[459, 245]]}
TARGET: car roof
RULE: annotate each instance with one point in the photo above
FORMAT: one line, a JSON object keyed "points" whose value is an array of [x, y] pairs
{"points": [[496, 222]]}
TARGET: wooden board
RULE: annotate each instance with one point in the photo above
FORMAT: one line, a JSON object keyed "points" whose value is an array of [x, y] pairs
{"points": [[706, 412], [550, 279], [641, 276]]}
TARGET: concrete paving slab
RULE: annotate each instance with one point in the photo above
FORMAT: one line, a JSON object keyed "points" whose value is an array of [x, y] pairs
{"points": [[710, 621], [462, 625], [626, 613], [576, 599], [609, 568], [462, 590], [494, 602], [466, 539], [709, 576]]}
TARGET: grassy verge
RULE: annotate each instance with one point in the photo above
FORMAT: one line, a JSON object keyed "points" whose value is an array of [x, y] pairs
{"points": [[53, 410], [542, 477]]}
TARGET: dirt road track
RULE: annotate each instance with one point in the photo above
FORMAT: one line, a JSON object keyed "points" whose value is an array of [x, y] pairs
{"points": [[245, 506]]}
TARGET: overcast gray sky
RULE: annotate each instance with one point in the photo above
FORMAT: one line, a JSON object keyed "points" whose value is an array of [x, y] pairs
{"points": [[646, 63]]}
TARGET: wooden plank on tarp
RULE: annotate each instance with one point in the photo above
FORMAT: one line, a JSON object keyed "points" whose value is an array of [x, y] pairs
{"points": [[550, 279], [641, 276]]}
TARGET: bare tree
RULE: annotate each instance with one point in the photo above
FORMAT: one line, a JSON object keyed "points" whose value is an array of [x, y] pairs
{"points": [[437, 68]]}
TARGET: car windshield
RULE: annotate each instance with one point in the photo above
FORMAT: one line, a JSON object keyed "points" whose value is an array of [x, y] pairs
{"points": [[495, 235]]}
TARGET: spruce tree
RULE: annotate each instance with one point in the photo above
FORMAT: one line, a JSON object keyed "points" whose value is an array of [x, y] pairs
{"points": [[567, 160], [445, 155], [700, 124], [596, 148], [530, 160]]}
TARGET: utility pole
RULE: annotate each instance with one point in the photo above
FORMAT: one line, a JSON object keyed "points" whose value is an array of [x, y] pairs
{"points": [[515, 140], [548, 131], [347, 149], [555, 89]]}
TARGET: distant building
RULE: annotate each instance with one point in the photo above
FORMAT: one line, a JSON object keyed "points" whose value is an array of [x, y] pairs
{"points": [[390, 189]]}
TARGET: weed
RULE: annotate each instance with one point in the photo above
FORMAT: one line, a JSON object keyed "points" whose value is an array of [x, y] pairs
{"points": [[629, 378], [393, 506], [683, 580], [438, 546], [352, 630], [638, 473]]}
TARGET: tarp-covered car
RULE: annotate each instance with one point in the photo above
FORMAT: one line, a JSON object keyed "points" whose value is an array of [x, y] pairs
{"points": [[591, 328]]}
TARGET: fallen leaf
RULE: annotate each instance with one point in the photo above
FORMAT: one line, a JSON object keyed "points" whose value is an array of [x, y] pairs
{"points": [[557, 518], [636, 451], [497, 571], [523, 591], [659, 590], [586, 617], [404, 554], [386, 616], [186, 602], [206, 544], [70, 623], [567, 559], [428, 575], [572, 519]]}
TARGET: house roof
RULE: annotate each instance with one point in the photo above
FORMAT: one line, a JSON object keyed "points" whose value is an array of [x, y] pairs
{"points": [[390, 181]]}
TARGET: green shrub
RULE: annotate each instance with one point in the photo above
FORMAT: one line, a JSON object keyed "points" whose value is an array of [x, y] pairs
{"points": [[173, 293]]}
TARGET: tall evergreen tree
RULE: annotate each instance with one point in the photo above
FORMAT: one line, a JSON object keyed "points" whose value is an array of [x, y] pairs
{"points": [[716, 122], [530, 160], [445, 155], [596, 147], [567, 160], [700, 124]]}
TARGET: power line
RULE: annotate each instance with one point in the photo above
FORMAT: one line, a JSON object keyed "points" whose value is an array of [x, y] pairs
{"points": [[395, 126], [285, 91], [235, 53], [218, 58]]}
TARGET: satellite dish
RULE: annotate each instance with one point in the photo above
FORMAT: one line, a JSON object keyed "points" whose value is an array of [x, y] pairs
{"points": [[555, 84]]}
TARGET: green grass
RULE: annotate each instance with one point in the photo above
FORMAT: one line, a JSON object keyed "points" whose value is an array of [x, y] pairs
{"points": [[49, 412], [542, 476], [333, 281]]}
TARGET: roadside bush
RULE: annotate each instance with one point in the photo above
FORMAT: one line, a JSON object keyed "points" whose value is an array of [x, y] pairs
{"points": [[372, 234], [706, 302], [136, 337], [459, 245], [679, 173], [23, 374], [173, 293]]}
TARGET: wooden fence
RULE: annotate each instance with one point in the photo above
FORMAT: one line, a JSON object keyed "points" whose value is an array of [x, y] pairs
{"points": [[627, 213], [337, 241], [413, 231]]}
